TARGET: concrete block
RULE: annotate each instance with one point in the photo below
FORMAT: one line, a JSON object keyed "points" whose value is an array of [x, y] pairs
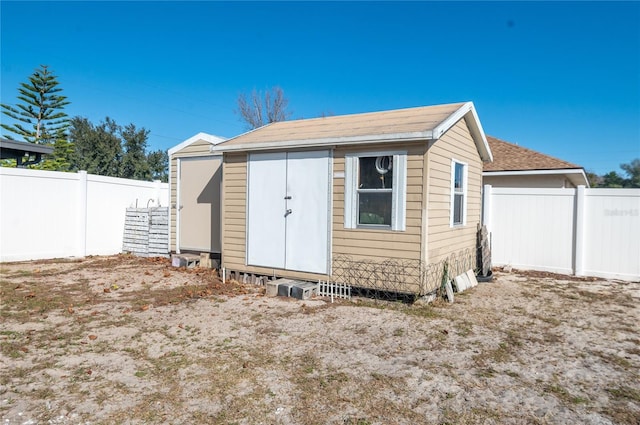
{"points": [[177, 261], [184, 260], [466, 281], [272, 288], [284, 289], [205, 260], [303, 291], [472, 278], [459, 283]]}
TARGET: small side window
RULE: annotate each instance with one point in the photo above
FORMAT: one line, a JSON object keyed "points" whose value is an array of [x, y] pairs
{"points": [[458, 193]]}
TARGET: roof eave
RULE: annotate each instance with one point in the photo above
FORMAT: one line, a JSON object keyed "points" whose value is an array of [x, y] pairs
{"points": [[209, 138], [26, 147], [326, 142], [577, 175], [468, 112]]}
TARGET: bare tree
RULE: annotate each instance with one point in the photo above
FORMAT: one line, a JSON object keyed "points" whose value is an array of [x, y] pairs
{"points": [[260, 109], [325, 114]]}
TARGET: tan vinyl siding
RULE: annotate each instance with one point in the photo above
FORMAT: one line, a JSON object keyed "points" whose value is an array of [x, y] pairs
{"points": [[444, 240], [394, 244], [234, 219], [376, 245], [199, 148], [173, 200], [234, 210], [537, 181]]}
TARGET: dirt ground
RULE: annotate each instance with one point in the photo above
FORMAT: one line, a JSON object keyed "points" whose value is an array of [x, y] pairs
{"points": [[127, 340]]}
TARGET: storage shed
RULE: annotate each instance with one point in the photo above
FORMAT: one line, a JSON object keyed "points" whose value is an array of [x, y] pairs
{"points": [[384, 200], [195, 176]]}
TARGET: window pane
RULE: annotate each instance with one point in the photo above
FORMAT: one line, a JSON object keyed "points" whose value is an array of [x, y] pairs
{"points": [[457, 182], [376, 172], [457, 209], [374, 208]]}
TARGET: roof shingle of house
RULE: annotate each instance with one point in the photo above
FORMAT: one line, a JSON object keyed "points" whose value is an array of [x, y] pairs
{"points": [[510, 157]]}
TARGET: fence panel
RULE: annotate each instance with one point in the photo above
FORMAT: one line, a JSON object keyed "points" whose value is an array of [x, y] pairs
{"points": [[38, 214], [533, 228], [47, 214], [593, 232], [612, 233]]}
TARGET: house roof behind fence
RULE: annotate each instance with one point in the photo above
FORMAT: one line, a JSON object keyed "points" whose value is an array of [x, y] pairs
{"points": [[13, 149], [511, 157]]}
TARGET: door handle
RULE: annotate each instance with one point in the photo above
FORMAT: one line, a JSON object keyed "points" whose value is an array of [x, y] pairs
{"points": [[287, 197], [287, 212]]}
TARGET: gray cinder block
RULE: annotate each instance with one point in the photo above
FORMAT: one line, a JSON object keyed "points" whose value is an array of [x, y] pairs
{"points": [[303, 291]]}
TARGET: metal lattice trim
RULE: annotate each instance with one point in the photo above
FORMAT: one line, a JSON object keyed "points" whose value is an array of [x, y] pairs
{"points": [[399, 276]]}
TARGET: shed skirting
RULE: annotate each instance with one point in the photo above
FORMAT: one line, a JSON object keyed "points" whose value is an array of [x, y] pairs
{"points": [[401, 276], [376, 278]]}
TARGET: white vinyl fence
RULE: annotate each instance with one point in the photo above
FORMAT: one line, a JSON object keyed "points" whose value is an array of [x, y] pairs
{"points": [[48, 214], [586, 232]]}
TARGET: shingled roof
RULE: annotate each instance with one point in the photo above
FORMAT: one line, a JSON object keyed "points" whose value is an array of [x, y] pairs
{"points": [[510, 157], [400, 125]]}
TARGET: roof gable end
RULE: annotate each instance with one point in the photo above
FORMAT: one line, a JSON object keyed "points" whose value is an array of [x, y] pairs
{"points": [[209, 138]]}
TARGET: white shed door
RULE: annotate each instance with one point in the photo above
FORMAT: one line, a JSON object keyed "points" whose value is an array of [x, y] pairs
{"points": [[267, 183], [307, 223], [288, 211]]}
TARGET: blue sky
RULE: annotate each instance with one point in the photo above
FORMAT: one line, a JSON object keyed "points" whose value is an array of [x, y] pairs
{"points": [[560, 78]]}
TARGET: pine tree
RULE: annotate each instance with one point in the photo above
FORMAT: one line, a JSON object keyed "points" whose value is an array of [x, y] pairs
{"points": [[39, 115], [61, 159]]}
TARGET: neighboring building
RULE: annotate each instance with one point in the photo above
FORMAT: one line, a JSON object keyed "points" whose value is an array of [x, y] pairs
{"points": [[11, 149], [194, 184], [515, 166], [365, 199]]}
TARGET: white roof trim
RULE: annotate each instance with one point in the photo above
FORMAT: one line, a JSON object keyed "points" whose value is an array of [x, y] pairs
{"points": [[209, 138], [534, 172], [467, 111], [330, 141], [578, 174]]}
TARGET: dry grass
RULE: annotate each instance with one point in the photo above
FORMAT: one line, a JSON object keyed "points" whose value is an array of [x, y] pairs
{"points": [[127, 340]]}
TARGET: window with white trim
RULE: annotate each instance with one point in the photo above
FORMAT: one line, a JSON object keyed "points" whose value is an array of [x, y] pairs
{"points": [[458, 193], [375, 190]]}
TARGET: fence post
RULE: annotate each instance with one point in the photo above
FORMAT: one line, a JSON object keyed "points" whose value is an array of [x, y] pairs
{"points": [[82, 214], [156, 185], [486, 206], [578, 267]]}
